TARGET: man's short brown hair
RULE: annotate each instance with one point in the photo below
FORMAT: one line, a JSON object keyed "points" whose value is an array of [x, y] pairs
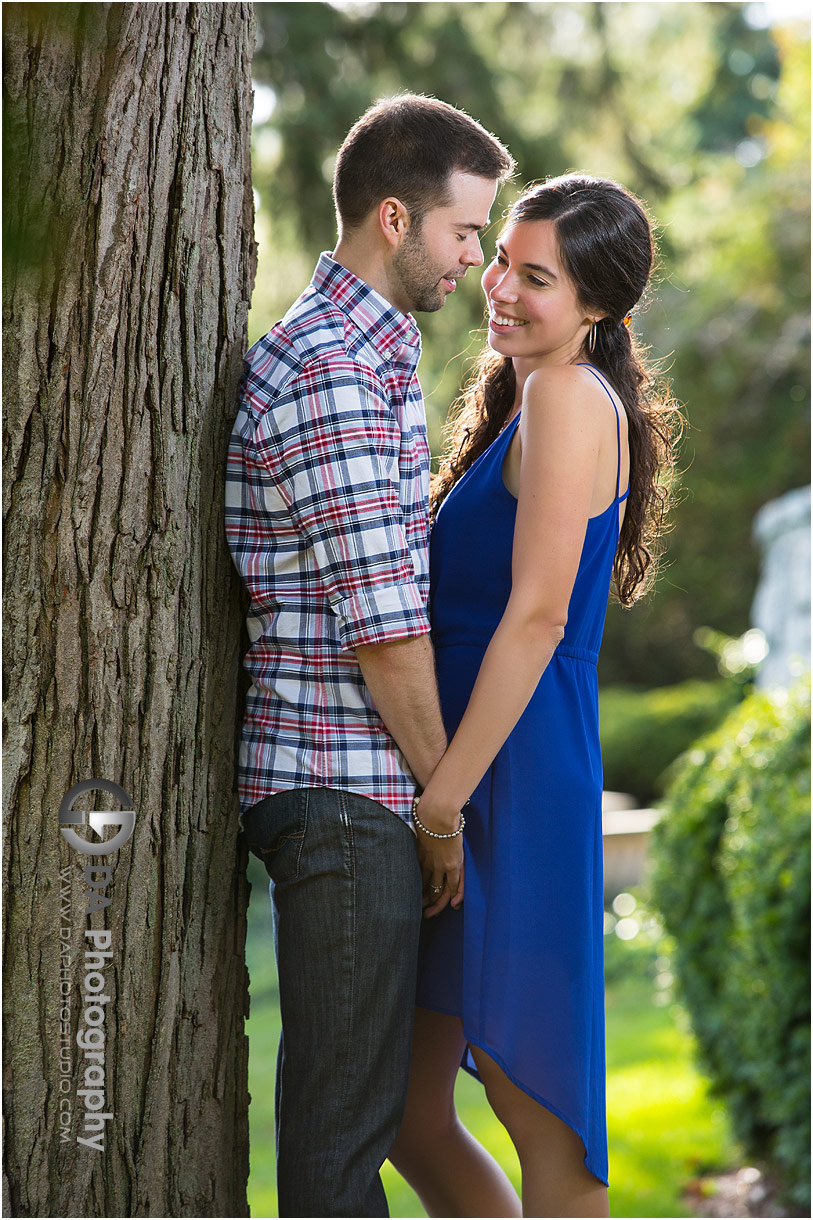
{"points": [[407, 147]]}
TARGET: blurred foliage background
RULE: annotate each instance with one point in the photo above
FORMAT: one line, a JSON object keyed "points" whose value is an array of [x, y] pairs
{"points": [[732, 882], [703, 109]]}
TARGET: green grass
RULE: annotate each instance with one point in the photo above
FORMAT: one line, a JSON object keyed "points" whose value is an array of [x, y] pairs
{"points": [[662, 1127]]}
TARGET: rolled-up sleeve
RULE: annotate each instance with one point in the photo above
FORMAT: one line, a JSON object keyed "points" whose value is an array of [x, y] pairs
{"points": [[333, 449]]}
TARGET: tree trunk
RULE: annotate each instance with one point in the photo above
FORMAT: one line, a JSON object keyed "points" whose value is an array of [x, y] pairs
{"points": [[129, 261]]}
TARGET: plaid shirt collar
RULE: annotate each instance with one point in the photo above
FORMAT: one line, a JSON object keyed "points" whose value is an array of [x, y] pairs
{"points": [[394, 334]]}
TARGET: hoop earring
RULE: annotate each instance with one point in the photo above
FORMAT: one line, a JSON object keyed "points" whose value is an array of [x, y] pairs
{"points": [[591, 338]]}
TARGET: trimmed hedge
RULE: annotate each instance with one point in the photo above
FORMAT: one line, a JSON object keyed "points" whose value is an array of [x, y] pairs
{"points": [[732, 881], [643, 731]]}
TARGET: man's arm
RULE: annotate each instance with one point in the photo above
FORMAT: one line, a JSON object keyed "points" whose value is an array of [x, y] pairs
{"points": [[400, 676], [335, 460]]}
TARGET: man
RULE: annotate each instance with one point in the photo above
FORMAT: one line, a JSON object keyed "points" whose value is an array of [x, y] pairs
{"points": [[327, 522]]}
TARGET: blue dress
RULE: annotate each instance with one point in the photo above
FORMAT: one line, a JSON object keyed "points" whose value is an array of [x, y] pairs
{"points": [[522, 962]]}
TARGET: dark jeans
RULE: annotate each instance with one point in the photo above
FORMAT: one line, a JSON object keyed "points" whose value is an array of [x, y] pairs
{"points": [[347, 907]]}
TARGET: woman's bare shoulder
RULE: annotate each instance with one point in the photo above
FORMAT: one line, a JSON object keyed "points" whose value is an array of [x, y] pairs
{"points": [[551, 387]]}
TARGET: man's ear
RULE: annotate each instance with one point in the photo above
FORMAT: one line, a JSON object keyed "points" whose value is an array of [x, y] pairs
{"points": [[393, 220]]}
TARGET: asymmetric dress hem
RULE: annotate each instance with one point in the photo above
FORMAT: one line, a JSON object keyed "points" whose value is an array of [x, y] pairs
{"points": [[469, 1066]]}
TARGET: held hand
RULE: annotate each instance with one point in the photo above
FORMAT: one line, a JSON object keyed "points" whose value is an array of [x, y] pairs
{"points": [[434, 903], [441, 858], [442, 870]]}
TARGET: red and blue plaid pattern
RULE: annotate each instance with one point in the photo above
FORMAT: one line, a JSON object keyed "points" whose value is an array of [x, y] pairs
{"points": [[327, 520]]}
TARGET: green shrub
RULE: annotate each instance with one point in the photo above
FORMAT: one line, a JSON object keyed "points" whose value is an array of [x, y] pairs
{"points": [[643, 731], [732, 880]]}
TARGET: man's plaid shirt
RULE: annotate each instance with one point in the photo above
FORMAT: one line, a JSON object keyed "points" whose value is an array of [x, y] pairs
{"points": [[327, 521]]}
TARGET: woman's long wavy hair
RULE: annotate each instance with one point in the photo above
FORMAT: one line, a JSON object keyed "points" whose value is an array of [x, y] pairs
{"points": [[607, 248]]}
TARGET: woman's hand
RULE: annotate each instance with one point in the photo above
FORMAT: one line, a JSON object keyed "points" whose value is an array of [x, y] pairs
{"points": [[441, 860]]}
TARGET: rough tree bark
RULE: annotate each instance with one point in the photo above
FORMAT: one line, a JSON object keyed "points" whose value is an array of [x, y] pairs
{"points": [[129, 261]]}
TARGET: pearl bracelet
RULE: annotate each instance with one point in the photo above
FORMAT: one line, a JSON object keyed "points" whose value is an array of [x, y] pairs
{"points": [[433, 834]]}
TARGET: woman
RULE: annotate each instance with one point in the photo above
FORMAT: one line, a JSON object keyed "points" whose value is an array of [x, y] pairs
{"points": [[553, 486]]}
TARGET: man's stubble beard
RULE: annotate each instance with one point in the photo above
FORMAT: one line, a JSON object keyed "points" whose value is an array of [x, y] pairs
{"points": [[419, 278]]}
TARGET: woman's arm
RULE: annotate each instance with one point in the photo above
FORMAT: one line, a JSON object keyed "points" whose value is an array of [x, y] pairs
{"points": [[560, 434]]}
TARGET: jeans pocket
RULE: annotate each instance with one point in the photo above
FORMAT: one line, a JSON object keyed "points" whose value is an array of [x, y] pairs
{"points": [[275, 832]]}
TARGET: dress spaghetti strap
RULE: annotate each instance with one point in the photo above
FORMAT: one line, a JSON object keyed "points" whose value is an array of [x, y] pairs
{"points": [[600, 379]]}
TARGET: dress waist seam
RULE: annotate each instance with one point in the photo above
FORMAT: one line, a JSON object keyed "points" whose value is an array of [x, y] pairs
{"points": [[562, 650], [578, 654]]}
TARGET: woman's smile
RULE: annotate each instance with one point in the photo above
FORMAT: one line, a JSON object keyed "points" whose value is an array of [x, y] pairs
{"points": [[501, 322]]}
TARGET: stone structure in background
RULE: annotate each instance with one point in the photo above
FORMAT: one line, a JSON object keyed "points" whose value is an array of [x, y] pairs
{"points": [[781, 608], [627, 831]]}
